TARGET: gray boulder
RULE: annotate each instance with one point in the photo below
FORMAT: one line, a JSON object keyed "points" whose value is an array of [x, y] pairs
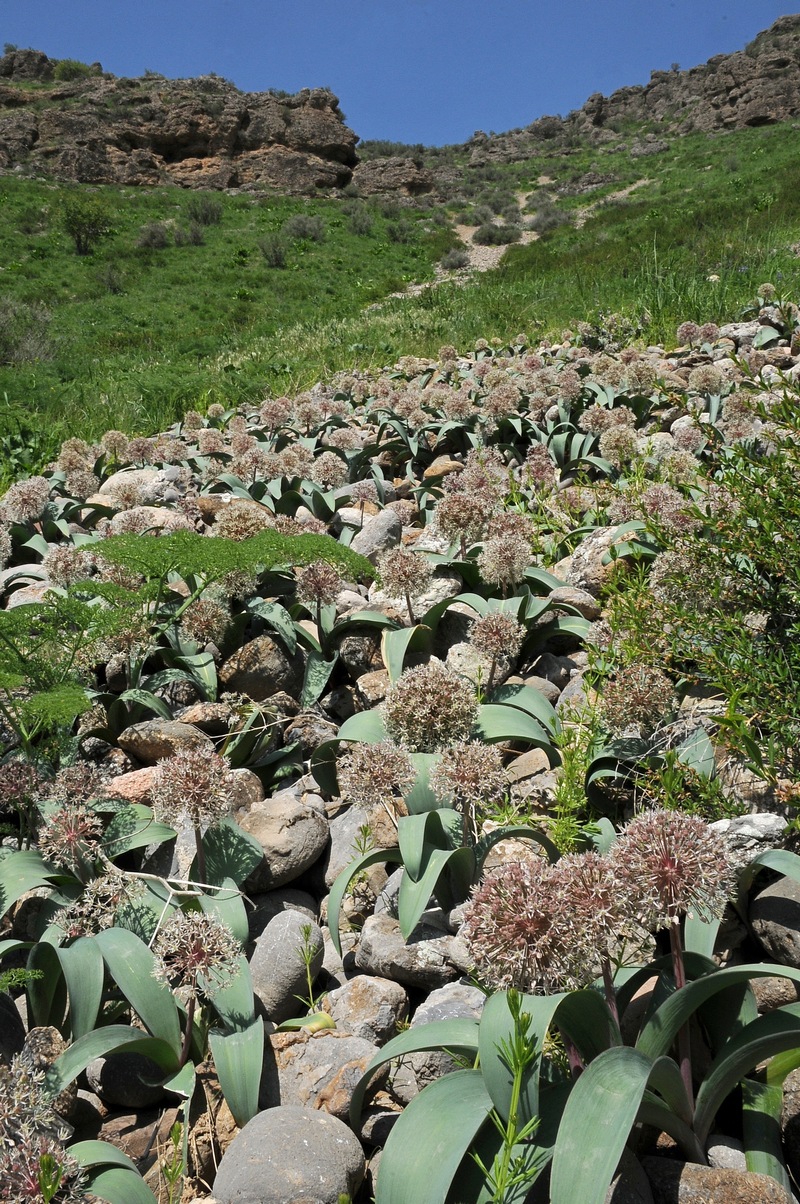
{"points": [[292, 833], [262, 668], [278, 964], [319, 1071], [775, 921], [368, 1007], [290, 1155]]}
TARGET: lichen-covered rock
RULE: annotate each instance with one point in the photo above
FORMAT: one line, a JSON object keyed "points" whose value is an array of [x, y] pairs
{"points": [[318, 1070], [368, 1007]]}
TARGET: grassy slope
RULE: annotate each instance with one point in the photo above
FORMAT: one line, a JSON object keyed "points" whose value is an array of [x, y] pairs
{"points": [[199, 324]]}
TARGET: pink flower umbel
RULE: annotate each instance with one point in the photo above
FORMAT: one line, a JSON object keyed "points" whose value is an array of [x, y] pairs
{"points": [[670, 865]]}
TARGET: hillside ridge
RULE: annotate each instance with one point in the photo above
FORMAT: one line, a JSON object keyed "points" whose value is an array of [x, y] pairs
{"points": [[206, 133]]}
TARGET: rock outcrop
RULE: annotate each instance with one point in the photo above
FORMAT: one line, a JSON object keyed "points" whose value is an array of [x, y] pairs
{"points": [[198, 133], [759, 85]]}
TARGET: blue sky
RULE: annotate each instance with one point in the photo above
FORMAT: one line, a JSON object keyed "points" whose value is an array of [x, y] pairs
{"points": [[431, 71]]}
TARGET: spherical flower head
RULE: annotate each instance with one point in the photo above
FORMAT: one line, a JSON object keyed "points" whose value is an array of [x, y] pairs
{"points": [[503, 560], [705, 379], [192, 420], [318, 584], [618, 445], [296, 461], [196, 950], [70, 835], [430, 707], [766, 292], [205, 621], [241, 519], [670, 865], [592, 911], [709, 332], [329, 470], [364, 491], [639, 697], [99, 903], [25, 501], [75, 454], [497, 635], [688, 332], [510, 929], [193, 782], [65, 565], [667, 509], [461, 515], [115, 444], [275, 412], [405, 572], [471, 777], [371, 774], [81, 484]]}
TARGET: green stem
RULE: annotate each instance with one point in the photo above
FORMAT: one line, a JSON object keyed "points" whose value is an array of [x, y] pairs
{"points": [[187, 1036], [684, 1043]]}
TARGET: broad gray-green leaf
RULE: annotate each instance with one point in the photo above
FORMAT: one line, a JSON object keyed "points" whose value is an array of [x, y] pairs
{"points": [[439, 1125], [238, 1058], [762, 1105], [130, 964], [597, 1120], [83, 970]]}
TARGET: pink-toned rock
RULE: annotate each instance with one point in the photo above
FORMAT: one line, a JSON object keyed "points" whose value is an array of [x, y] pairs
{"points": [[136, 785]]}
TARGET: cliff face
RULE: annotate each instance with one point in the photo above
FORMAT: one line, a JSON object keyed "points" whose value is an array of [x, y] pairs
{"points": [[200, 133], [756, 86], [205, 133]]}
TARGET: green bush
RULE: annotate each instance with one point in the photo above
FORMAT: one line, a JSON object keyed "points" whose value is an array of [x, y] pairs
{"points": [[273, 248], [69, 69], [304, 226], [86, 219], [204, 210], [496, 236]]}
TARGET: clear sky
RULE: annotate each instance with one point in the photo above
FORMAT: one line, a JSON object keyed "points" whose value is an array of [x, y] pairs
{"points": [[430, 71]]}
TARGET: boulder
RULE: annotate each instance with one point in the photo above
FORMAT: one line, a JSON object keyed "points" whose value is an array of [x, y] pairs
{"points": [[290, 1154], [156, 739], [278, 964], [319, 1071], [423, 962], [292, 833], [775, 920], [368, 1007], [262, 668], [674, 1182]]}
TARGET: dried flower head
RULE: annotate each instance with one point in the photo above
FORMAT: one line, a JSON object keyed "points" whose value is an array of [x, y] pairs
{"points": [[25, 501], [65, 564], [241, 519], [195, 950], [371, 774], [405, 573], [99, 904], [709, 332], [429, 708], [81, 484], [669, 865], [205, 621], [503, 560], [69, 835], [639, 697], [364, 491], [318, 584], [463, 516], [471, 778], [705, 379], [193, 782], [497, 635], [329, 470]]}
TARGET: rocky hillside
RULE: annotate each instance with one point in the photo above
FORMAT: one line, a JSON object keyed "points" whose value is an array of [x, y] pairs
{"points": [[198, 133], [759, 85], [205, 133]]}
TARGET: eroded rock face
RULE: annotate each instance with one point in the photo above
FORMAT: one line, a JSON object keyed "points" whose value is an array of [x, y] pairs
{"points": [[200, 133]]}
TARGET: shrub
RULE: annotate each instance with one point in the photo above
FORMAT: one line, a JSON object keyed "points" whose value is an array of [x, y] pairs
{"points": [[86, 219], [204, 210], [153, 235], [400, 231], [305, 226], [24, 336], [496, 236], [455, 259], [193, 237], [360, 220], [68, 69], [273, 248]]}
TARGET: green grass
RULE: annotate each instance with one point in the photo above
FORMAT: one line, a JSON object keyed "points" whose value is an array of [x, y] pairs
{"points": [[135, 332], [139, 335]]}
